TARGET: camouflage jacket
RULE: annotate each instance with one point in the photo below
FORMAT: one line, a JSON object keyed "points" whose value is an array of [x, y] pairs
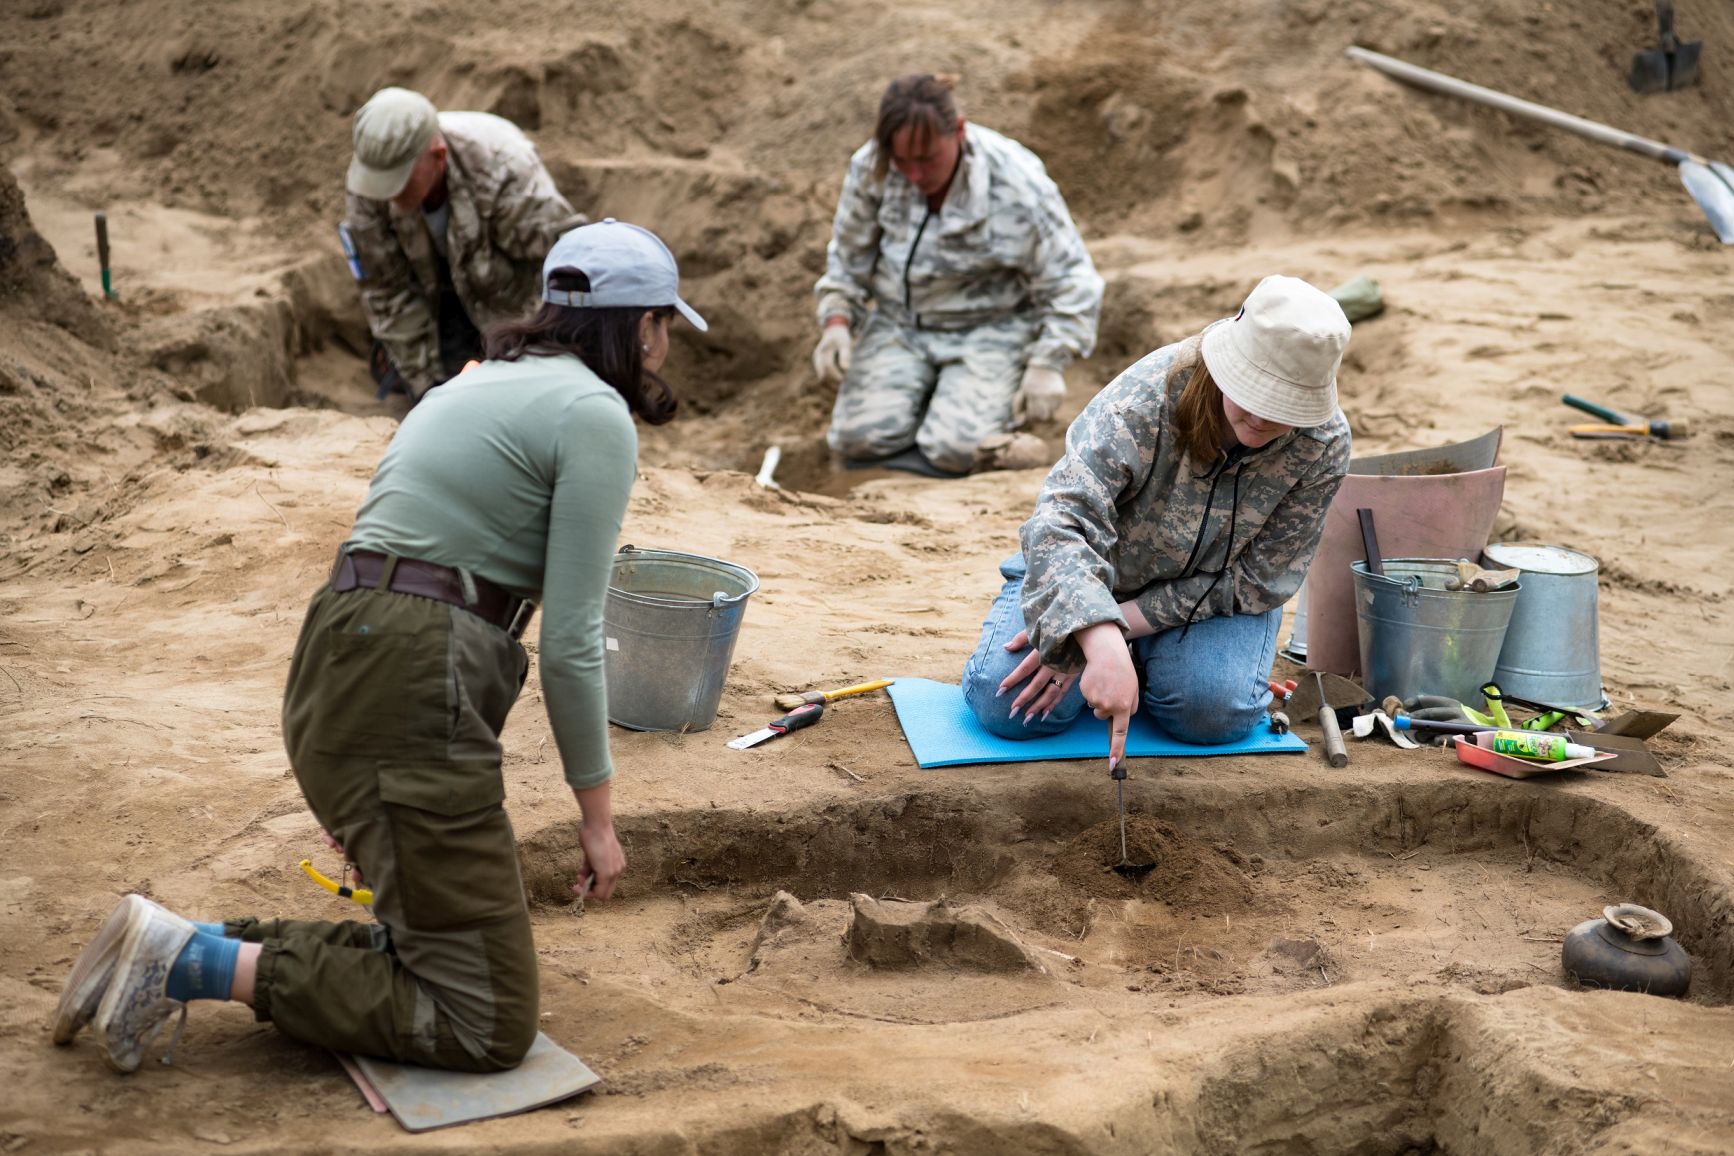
{"points": [[1127, 515], [1001, 243], [505, 214]]}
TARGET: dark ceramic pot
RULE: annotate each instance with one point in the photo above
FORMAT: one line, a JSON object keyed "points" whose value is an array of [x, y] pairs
{"points": [[1628, 950]]}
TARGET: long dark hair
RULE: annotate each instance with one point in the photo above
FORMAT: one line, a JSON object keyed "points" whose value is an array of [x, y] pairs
{"points": [[920, 102], [605, 339]]}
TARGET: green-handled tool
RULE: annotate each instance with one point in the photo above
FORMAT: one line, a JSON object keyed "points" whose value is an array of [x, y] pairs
{"points": [[1611, 416], [102, 255]]}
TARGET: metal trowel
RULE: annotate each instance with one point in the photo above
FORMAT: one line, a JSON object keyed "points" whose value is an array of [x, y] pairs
{"points": [[1125, 867]]}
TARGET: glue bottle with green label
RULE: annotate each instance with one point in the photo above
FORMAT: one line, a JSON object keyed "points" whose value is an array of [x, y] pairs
{"points": [[1546, 748]]}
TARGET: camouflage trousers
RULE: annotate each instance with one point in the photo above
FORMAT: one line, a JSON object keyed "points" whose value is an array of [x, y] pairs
{"points": [[392, 719], [939, 390]]}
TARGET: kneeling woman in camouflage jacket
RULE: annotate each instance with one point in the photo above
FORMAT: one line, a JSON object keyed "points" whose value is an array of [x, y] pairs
{"points": [[1183, 515]]}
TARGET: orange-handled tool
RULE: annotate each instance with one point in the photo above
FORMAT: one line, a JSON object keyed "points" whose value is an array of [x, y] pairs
{"points": [[1652, 428]]}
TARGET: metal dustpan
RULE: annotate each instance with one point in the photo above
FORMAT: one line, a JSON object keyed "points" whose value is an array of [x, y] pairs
{"points": [[1674, 64]]}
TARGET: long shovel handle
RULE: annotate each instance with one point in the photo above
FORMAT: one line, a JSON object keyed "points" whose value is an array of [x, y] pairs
{"points": [[1451, 86]]}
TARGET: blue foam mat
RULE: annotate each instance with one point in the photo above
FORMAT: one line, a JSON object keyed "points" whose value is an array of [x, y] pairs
{"points": [[943, 733]]}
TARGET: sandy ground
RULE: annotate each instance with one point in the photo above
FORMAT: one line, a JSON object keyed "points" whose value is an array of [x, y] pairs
{"points": [[1363, 960]]}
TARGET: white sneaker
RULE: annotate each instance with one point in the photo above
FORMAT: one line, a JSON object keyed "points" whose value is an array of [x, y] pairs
{"points": [[134, 1008], [92, 970]]}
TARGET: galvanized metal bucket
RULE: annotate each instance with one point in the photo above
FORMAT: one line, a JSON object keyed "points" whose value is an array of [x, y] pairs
{"points": [[669, 631], [1552, 650], [1419, 638]]}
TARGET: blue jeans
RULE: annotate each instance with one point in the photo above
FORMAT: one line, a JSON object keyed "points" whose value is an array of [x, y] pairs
{"points": [[1210, 687]]}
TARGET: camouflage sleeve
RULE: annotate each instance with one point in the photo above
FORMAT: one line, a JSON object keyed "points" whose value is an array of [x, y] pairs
{"points": [[1064, 287], [1067, 541], [399, 315], [1270, 568], [854, 248], [528, 213]]}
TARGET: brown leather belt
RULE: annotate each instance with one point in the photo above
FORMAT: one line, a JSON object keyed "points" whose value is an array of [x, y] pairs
{"points": [[365, 568]]}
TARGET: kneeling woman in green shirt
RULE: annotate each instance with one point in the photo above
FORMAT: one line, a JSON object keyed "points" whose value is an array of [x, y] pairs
{"points": [[505, 488]]}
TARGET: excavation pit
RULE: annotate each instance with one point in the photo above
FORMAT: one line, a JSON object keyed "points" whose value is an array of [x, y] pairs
{"points": [[1268, 894], [1357, 967]]}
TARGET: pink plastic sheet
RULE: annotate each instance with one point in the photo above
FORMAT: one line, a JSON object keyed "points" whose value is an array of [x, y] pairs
{"points": [[1427, 516]]}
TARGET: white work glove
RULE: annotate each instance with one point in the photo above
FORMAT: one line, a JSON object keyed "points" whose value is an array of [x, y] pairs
{"points": [[831, 355], [1039, 395]]}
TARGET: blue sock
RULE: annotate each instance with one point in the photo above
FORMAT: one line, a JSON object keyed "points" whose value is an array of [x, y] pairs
{"points": [[210, 928], [205, 968]]}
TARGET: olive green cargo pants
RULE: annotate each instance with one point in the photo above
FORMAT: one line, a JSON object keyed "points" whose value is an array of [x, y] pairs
{"points": [[392, 719]]}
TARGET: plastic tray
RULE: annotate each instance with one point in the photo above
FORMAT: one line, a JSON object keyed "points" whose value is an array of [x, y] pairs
{"points": [[1477, 751]]}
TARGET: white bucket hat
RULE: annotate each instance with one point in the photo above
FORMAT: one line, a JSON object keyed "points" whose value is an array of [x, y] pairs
{"points": [[1277, 358]]}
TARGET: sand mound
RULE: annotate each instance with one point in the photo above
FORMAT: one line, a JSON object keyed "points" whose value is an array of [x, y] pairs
{"points": [[891, 934], [1228, 126], [1220, 124]]}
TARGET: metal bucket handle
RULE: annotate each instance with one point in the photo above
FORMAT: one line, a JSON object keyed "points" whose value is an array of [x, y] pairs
{"points": [[1408, 587], [719, 599]]}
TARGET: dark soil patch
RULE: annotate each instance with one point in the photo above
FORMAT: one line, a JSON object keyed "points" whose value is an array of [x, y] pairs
{"points": [[1188, 872]]}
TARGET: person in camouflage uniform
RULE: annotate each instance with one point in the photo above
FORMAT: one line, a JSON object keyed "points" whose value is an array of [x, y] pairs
{"points": [[449, 217], [1183, 515], [981, 290]]}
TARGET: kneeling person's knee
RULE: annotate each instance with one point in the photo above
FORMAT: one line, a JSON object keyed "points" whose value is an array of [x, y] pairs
{"points": [[865, 441], [1211, 716], [956, 453], [511, 1042]]}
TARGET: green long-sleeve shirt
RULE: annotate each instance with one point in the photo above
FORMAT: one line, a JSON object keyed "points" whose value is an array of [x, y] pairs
{"points": [[519, 472]]}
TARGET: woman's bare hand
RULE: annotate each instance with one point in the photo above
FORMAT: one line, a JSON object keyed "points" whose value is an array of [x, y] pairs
{"points": [[1045, 685], [1109, 683], [341, 854], [604, 861]]}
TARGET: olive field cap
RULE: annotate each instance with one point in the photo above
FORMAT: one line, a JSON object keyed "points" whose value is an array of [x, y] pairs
{"points": [[391, 131], [627, 266], [1278, 357]]}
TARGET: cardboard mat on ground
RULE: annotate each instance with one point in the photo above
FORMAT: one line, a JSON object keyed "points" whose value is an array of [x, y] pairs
{"points": [[423, 1099]]}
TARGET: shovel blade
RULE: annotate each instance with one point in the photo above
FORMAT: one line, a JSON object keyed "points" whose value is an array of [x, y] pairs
{"points": [[1683, 68], [1712, 186], [1649, 72]]}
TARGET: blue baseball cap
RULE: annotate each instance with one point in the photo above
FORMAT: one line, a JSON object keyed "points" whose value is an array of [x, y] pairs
{"points": [[627, 266]]}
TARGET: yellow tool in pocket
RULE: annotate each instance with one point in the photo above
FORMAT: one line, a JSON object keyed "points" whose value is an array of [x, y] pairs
{"points": [[360, 895]]}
